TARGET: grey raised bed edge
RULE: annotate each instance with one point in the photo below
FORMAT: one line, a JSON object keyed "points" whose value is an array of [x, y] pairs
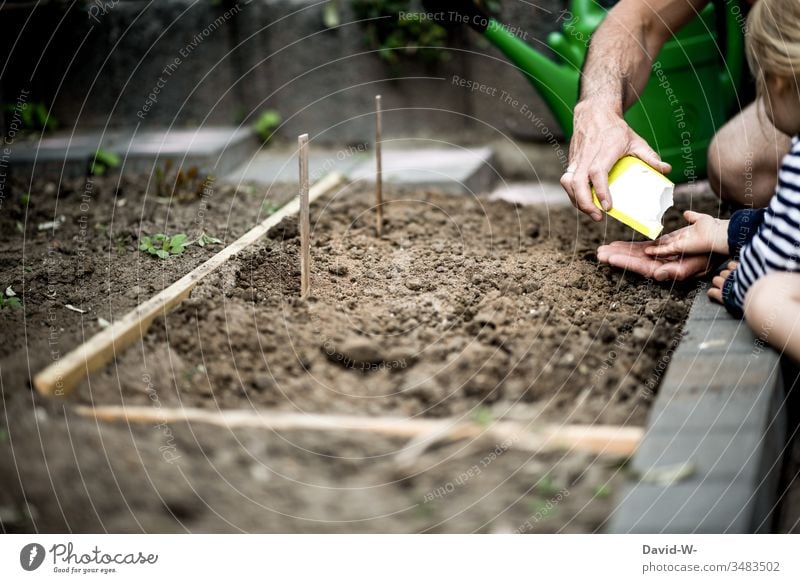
{"points": [[720, 408]]}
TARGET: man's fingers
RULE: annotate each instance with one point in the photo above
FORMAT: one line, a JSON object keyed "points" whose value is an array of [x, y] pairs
{"points": [[645, 153], [599, 178], [583, 196], [682, 268], [636, 263], [567, 184]]}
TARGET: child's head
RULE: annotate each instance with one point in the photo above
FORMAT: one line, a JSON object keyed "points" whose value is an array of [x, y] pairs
{"points": [[773, 53]]}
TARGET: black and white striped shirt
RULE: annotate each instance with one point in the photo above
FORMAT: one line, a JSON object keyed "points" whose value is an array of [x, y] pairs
{"points": [[766, 240]]}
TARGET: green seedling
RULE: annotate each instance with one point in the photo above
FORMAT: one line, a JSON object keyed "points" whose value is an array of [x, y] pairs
{"points": [[482, 416], [546, 487], [162, 246], [204, 240], [25, 199], [330, 14], [9, 299], [34, 116], [270, 207], [120, 245], [542, 508], [602, 491], [266, 124], [103, 162]]}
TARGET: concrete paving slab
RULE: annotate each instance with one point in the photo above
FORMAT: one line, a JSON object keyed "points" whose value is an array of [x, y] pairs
{"points": [[547, 194], [721, 408], [728, 374], [453, 170], [272, 166], [212, 150], [702, 507], [720, 335]]}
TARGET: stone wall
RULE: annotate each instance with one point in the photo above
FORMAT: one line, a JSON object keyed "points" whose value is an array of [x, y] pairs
{"points": [[206, 62]]}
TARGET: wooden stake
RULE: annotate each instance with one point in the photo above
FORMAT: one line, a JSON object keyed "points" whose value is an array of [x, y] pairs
{"points": [[598, 439], [305, 219], [378, 166], [61, 377]]}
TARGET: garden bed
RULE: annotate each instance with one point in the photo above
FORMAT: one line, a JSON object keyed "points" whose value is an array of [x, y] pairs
{"points": [[465, 308]]}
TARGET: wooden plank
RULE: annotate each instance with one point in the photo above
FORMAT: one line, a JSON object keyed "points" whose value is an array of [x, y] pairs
{"points": [[61, 377], [598, 439]]}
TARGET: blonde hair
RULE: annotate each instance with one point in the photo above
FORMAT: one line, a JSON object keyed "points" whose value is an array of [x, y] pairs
{"points": [[772, 41]]}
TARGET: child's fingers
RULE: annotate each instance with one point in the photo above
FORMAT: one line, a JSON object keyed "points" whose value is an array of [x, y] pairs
{"points": [[715, 294], [692, 217], [672, 244], [719, 280], [732, 265]]}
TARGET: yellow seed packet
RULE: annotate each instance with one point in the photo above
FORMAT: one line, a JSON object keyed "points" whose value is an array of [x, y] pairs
{"points": [[640, 195]]}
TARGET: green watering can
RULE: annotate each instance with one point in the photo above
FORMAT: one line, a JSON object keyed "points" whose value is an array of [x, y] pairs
{"points": [[690, 94]]}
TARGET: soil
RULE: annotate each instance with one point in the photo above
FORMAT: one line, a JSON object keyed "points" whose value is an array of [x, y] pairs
{"points": [[464, 308]]}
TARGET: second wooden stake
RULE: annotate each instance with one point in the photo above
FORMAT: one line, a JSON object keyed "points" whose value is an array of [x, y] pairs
{"points": [[305, 219]]}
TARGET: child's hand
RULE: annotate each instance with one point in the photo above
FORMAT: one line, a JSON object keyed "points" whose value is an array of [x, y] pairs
{"points": [[705, 234], [715, 293]]}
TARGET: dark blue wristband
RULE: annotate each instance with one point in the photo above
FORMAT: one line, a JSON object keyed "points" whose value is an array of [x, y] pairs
{"points": [[742, 227], [728, 297]]}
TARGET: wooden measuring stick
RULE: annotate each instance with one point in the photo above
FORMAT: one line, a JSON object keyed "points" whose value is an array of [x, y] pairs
{"points": [[305, 219], [378, 166], [598, 439]]}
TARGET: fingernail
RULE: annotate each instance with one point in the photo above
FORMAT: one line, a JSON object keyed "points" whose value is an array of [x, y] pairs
{"points": [[605, 205]]}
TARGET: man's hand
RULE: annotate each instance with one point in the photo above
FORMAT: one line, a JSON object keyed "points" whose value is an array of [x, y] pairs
{"points": [[705, 234], [600, 138], [632, 256]]}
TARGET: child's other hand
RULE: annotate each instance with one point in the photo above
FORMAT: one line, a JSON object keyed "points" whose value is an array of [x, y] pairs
{"points": [[705, 234], [715, 293]]}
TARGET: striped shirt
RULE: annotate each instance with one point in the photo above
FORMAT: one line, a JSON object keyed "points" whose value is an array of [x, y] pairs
{"points": [[766, 240]]}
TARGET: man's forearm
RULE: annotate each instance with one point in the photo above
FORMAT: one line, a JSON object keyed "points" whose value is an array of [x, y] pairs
{"points": [[623, 48]]}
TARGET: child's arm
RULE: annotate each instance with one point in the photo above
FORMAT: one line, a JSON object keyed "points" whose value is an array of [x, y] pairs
{"points": [[705, 234], [769, 239]]}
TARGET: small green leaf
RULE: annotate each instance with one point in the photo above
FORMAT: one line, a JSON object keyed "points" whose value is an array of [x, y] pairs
{"points": [[602, 491], [162, 253], [546, 487]]}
